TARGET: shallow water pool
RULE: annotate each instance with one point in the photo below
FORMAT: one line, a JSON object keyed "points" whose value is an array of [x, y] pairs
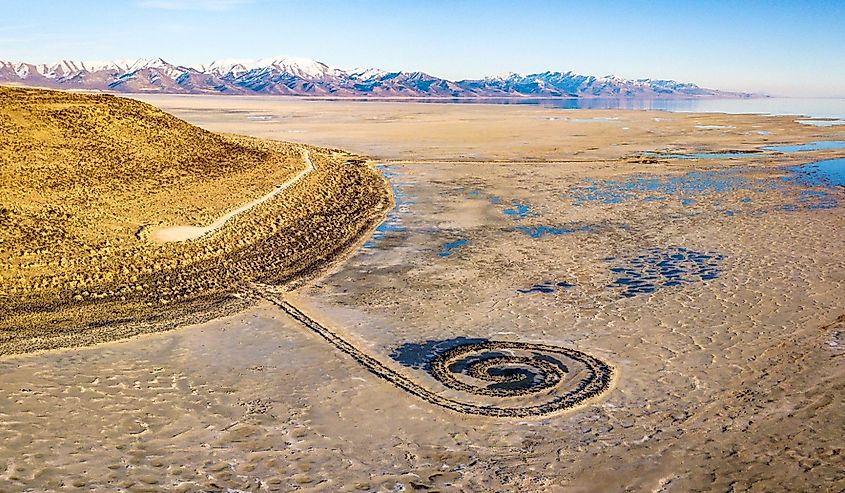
{"points": [[820, 145]]}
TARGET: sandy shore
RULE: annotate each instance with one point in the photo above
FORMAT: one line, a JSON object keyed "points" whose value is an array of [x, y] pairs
{"points": [[712, 285]]}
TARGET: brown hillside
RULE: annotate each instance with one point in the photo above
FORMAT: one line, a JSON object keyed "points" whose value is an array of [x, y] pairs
{"points": [[85, 178]]}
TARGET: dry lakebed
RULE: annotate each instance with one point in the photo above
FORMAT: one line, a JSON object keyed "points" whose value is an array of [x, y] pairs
{"points": [[520, 299]]}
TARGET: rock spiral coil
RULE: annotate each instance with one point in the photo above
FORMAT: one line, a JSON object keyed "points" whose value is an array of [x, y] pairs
{"points": [[497, 378]]}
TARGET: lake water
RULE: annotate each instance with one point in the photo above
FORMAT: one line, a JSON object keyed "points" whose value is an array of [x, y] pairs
{"points": [[829, 172], [820, 145], [809, 107], [447, 248], [803, 107], [810, 146]]}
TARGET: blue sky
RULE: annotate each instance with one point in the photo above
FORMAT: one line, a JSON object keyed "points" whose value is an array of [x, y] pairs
{"points": [[778, 47]]}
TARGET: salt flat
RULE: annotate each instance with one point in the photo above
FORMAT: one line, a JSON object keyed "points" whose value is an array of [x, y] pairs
{"points": [[712, 286]]}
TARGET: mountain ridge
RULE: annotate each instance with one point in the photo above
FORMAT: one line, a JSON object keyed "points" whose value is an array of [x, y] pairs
{"points": [[294, 76]]}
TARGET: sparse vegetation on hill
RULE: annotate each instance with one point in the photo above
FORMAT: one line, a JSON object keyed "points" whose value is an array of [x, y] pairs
{"points": [[85, 178]]}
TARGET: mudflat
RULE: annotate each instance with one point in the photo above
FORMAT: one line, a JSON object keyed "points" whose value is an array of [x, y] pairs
{"points": [[482, 132], [709, 285]]}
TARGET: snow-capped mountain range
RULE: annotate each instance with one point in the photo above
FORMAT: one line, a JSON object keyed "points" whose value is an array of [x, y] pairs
{"points": [[306, 77]]}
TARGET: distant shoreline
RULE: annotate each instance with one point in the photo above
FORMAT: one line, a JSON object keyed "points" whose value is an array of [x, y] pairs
{"points": [[802, 108]]}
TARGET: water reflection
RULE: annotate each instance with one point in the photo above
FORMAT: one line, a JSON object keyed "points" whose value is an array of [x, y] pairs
{"points": [[447, 248], [518, 210], [653, 187], [540, 231], [656, 268], [833, 108], [826, 173], [393, 222], [693, 186], [820, 145]]}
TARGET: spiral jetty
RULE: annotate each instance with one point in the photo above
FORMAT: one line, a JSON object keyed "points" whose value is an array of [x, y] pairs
{"points": [[514, 370]]}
